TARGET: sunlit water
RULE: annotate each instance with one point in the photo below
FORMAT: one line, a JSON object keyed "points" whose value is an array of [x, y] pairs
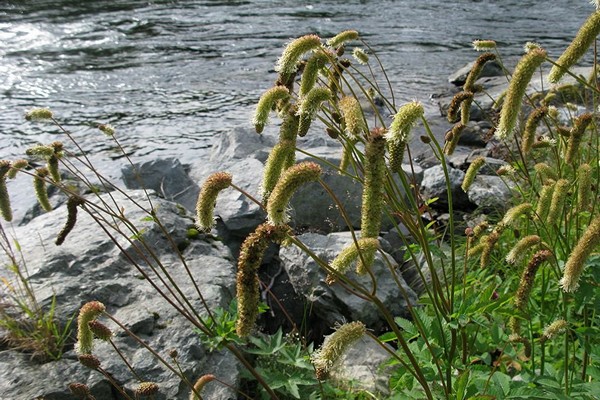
{"points": [[170, 75]]}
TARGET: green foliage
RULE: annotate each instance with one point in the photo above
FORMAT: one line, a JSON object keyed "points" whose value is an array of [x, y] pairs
{"points": [[24, 324]]}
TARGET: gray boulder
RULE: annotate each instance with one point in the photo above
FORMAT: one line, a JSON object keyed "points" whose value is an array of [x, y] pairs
{"points": [[242, 142], [90, 266], [167, 177], [360, 368], [333, 304], [491, 68], [434, 186], [489, 193]]}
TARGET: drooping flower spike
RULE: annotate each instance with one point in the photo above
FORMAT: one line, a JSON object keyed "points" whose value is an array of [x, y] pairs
{"points": [[207, 198], [522, 75], [580, 44]]}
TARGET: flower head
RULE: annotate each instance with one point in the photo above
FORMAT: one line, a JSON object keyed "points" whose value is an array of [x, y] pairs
{"points": [[511, 108], [360, 56], [145, 389], [353, 116], [291, 180], [580, 44], [207, 198], [472, 172], [88, 312], [287, 64], [576, 261], [334, 346], [5, 207], [342, 37], [484, 45], [199, 385], [38, 114], [554, 329], [107, 129], [406, 117], [265, 105]]}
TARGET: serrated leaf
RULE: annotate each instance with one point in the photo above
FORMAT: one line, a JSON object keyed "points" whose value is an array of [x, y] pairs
{"points": [[503, 381], [410, 331], [461, 384]]}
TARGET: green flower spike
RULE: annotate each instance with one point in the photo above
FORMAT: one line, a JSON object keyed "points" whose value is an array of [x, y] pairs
{"points": [[40, 151], [72, 204], [580, 44], [511, 108], [288, 62], [290, 181], [513, 214], [576, 262], [85, 338], [38, 114], [360, 56], [342, 37], [545, 172], [353, 117], [528, 277], [289, 126], [247, 283], [452, 138], [484, 45], [266, 104], [533, 121], [309, 106], [472, 172], [556, 328], [207, 198], [5, 207], [517, 253], [107, 129], [559, 197], [199, 385], [404, 120], [39, 186], [16, 167], [476, 250], [311, 71], [52, 161], [544, 201], [529, 46], [577, 132], [398, 134], [351, 254], [280, 158], [373, 187], [489, 242], [469, 85], [334, 347], [584, 187]]}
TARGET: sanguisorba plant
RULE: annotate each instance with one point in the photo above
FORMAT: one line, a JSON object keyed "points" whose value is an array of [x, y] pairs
{"points": [[513, 312]]}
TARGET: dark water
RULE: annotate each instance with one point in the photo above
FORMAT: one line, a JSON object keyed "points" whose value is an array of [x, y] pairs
{"points": [[169, 75]]}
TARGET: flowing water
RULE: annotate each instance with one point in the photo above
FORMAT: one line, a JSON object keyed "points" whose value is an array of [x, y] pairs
{"points": [[170, 75]]}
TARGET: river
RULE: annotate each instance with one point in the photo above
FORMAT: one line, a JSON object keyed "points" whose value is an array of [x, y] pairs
{"points": [[170, 75]]}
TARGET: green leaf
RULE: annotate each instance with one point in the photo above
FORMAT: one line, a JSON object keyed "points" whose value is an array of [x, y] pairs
{"points": [[503, 381], [461, 384], [410, 331]]}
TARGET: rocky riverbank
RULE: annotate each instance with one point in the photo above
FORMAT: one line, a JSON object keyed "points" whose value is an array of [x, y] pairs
{"points": [[91, 266]]}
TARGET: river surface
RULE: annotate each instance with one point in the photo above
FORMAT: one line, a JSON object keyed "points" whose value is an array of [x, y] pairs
{"points": [[171, 75]]}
